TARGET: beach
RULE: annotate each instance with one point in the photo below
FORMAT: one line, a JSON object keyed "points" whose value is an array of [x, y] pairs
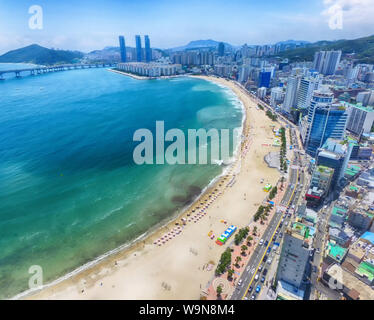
{"points": [[177, 268]]}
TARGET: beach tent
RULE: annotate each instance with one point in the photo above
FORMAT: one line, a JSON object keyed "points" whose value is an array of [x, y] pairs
{"points": [[267, 187]]}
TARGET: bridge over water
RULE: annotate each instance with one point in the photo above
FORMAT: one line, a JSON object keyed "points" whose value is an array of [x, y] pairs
{"points": [[45, 69]]}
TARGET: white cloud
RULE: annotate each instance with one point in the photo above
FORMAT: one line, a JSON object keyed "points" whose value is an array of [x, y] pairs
{"points": [[354, 11]]}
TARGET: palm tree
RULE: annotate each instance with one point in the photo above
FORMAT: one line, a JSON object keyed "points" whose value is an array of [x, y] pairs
{"points": [[249, 239], [254, 230], [244, 248], [230, 273], [237, 260], [219, 290]]}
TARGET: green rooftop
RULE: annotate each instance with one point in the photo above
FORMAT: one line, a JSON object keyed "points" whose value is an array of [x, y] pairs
{"points": [[358, 106], [338, 211], [353, 188], [303, 230], [366, 269], [370, 215], [336, 252]]}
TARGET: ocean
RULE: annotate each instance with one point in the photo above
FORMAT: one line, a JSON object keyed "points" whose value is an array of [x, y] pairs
{"points": [[69, 188]]}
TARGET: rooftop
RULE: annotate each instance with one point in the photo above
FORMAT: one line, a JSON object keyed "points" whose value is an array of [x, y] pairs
{"points": [[336, 252], [366, 269], [338, 211], [351, 282], [358, 106]]}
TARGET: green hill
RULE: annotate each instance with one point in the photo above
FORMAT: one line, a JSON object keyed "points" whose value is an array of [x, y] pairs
{"points": [[39, 55], [363, 48]]}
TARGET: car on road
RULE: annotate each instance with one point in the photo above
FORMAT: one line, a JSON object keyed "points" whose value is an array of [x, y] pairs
{"points": [[281, 235], [269, 249], [250, 289], [259, 268], [261, 242], [253, 297], [256, 277], [263, 279], [265, 272], [245, 298], [317, 250], [265, 258], [240, 282], [266, 243], [269, 261], [258, 288]]}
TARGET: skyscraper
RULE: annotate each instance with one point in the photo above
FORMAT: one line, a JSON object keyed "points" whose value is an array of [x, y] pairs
{"points": [[148, 51], [327, 122], [264, 79], [138, 42], [122, 48], [326, 62], [290, 99], [221, 49], [305, 93]]}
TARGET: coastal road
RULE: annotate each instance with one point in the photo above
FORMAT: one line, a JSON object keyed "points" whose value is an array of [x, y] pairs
{"points": [[273, 234], [319, 242], [260, 253]]}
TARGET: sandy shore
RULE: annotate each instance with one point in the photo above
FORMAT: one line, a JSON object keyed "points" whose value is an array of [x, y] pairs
{"points": [[177, 269], [143, 77]]}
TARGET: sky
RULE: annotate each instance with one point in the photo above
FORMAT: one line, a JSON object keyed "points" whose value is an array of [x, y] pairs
{"points": [[88, 25]]}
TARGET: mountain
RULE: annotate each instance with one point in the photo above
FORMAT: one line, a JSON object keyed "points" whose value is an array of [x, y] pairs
{"points": [[39, 55], [199, 44], [293, 42], [362, 48]]}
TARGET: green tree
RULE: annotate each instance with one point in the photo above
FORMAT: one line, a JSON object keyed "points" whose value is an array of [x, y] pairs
{"points": [[219, 290]]}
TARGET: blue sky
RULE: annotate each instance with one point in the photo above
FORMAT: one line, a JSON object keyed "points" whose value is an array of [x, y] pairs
{"points": [[87, 25]]}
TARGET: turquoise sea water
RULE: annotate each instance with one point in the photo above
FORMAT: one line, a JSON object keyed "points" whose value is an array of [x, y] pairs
{"points": [[69, 189]]}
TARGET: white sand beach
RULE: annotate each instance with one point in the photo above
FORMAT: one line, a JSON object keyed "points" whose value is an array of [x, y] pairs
{"points": [[177, 269]]}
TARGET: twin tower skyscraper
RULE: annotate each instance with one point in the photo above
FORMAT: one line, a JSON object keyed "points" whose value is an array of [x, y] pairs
{"points": [[139, 52]]}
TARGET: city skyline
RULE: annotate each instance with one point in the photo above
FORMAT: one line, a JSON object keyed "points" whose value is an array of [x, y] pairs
{"points": [[174, 24]]}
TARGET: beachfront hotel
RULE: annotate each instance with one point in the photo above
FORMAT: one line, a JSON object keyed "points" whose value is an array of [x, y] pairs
{"points": [[150, 69]]}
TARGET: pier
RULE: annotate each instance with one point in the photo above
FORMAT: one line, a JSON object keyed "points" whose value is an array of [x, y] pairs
{"points": [[46, 69]]}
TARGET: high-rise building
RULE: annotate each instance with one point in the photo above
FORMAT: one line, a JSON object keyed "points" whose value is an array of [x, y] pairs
{"points": [[264, 79], [290, 99], [335, 154], [276, 96], [148, 50], [360, 118], [306, 88], [326, 122], [293, 260], [122, 48], [138, 42], [221, 49], [261, 92], [326, 62]]}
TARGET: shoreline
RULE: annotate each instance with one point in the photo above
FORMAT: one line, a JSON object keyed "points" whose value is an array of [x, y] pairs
{"points": [[134, 76], [71, 285]]}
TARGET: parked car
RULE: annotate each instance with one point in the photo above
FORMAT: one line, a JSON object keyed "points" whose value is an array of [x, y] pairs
{"points": [[258, 288], [263, 279], [256, 277], [265, 272], [269, 260], [261, 242]]}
